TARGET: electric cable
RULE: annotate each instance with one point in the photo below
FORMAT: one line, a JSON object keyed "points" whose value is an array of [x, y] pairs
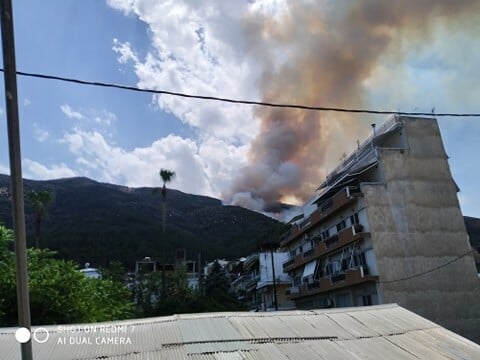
{"points": [[237, 101], [428, 271]]}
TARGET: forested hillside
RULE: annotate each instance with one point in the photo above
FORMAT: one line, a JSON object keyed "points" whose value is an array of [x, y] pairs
{"points": [[97, 222]]}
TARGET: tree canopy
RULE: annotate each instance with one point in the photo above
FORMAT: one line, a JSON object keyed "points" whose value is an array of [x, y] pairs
{"points": [[59, 292], [40, 201]]}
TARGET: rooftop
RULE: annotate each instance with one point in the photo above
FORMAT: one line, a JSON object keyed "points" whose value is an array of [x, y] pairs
{"points": [[385, 331]]}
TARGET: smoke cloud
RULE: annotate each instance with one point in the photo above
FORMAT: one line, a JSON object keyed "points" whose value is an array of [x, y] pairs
{"points": [[323, 53]]}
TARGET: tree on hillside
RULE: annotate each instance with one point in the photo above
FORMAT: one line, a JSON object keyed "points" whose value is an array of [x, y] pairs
{"points": [[166, 176], [40, 201], [216, 282], [59, 292]]}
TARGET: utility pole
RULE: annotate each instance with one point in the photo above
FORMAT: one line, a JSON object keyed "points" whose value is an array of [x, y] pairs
{"points": [[11, 103], [272, 246], [274, 280]]}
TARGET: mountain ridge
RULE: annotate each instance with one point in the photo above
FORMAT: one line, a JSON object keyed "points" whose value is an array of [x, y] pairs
{"points": [[90, 221]]}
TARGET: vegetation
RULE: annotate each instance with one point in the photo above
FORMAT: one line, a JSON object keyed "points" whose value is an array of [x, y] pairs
{"points": [[166, 176], [97, 223], [40, 201], [180, 298], [59, 292]]}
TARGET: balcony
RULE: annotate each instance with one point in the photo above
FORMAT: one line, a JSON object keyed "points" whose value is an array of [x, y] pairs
{"points": [[327, 246], [288, 263], [292, 291], [309, 253], [251, 282], [348, 278], [294, 263], [325, 209]]}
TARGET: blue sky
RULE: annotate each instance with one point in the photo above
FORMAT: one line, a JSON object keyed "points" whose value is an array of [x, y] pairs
{"points": [[249, 50]]}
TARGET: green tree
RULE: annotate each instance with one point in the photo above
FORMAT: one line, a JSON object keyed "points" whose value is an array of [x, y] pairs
{"points": [[166, 176], [40, 201], [217, 293], [178, 291], [114, 271], [59, 292], [148, 293], [216, 282]]}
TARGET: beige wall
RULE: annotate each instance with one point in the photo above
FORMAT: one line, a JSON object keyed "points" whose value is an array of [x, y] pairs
{"points": [[416, 225]]}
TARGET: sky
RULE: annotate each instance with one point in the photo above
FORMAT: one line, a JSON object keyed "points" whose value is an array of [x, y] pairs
{"points": [[380, 55]]}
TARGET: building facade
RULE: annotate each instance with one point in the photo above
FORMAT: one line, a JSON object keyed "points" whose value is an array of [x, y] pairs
{"points": [[386, 227], [255, 287]]}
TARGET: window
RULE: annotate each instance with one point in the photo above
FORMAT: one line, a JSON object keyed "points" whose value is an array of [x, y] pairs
{"points": [[359, 260], [367, 300], [354, 219], [341, 225], [336, 267], [325, 234], [328, 269]]}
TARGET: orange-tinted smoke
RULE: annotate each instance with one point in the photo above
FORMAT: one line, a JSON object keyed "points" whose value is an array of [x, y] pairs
{"points": [[320, 53]]}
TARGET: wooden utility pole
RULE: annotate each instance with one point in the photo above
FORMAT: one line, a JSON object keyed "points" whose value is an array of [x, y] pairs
{"points": [[11, 103]]}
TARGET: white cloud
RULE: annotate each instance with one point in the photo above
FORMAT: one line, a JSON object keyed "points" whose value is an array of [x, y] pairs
{"points": [[34, 170], [4, 169], [199, 48], [98, 158], [123, 5], [40, 134], [26, 102], [91, 117], [72, 114], [104, 117], [124, 51]]}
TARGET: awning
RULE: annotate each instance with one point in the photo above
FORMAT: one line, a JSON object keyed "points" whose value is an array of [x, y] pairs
{"points": [[309, 268]]}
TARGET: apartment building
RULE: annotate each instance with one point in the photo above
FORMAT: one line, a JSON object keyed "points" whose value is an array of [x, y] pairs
{"points": [[255, 287], [385, 227]]}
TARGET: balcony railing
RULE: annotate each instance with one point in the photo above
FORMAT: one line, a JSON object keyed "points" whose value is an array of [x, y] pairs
{"points": [[325, 284], [288, 263], [292, 290], [326, 208], [252, 281], [309, 253], [324, 247], [331, 240], [338, 277]]}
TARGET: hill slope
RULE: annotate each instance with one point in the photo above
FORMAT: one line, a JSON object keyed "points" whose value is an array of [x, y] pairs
{"points": [[97, 222]]}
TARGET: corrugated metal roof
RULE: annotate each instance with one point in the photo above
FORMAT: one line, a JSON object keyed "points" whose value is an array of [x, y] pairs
{"points": [[386, 331]]}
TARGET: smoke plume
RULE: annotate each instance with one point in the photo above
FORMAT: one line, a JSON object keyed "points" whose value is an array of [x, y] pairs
{"points": [[322, 53]]}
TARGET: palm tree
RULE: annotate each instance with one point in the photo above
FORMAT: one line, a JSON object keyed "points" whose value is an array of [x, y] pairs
{"points": [[166, 176], [40, 201]]}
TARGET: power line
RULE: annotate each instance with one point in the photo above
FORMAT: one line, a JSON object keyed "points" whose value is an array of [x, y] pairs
{"points": [[237, 101], [428, 271]]}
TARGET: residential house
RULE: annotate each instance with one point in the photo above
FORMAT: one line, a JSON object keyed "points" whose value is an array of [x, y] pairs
{"points": [[256, 286]]}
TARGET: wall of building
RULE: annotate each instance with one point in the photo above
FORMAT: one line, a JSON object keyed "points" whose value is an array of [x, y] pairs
{"points": [[265, 267], [417, 225]]}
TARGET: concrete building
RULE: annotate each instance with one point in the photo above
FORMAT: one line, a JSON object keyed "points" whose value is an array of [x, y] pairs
{"points": [[386, 227], [255, 287]]}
